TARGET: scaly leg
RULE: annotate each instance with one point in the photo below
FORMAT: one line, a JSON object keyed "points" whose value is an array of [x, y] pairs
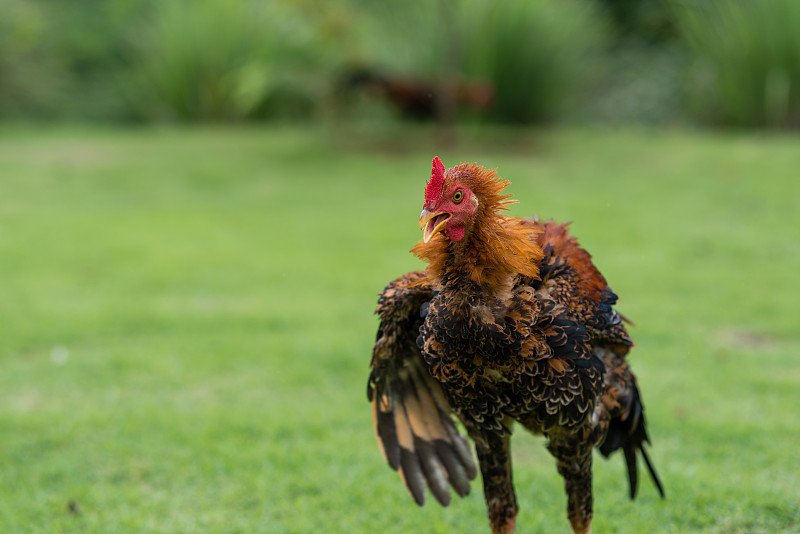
{"points": [[574, 461], [494, 456]]}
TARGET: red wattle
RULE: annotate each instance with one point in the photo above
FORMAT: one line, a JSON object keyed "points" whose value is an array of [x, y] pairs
{"points": [[455, 233]]}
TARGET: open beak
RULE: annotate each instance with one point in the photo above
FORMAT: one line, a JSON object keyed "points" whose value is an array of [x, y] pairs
{"points": [[431, 223]]}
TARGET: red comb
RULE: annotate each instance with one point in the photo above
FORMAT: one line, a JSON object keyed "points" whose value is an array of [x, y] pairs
{"points": [[434, 187]]}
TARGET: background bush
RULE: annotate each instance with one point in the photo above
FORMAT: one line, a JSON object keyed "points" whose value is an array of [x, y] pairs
{"points": [[746, 61], [539, 54], [30, 76], [404, 38], [61, 60], [214, 60]]}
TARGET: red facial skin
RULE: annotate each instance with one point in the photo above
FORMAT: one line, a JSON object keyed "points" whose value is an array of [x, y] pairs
{"points": [[462, 212]]}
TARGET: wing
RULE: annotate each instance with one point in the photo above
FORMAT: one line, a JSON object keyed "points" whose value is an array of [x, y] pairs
{"points": [[559, 377], [569, 277], [411, 415]]}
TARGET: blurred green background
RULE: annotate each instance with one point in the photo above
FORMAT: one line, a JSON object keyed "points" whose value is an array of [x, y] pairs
{"points": [[200, 201], [713, 62]]}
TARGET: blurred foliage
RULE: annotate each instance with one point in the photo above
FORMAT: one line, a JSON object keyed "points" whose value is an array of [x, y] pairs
{"points": [[404, 37], [650, 21], [29, 75], [213, 60], [538, 54], [60, 60], [746, 54], [159, 60], [639, 84], [731, 62]]}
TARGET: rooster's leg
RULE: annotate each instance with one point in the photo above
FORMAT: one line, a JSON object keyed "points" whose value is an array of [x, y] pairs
{"points": [[573, 453], [494, 456]]}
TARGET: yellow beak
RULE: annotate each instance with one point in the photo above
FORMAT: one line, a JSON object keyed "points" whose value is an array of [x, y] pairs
{"points": [[431, 223]]}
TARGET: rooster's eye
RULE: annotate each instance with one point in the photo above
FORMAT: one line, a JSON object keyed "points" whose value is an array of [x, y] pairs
{"points": [[458, 196]]}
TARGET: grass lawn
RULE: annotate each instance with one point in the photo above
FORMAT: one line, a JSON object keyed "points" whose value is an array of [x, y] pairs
{"points": [[186, 325]]}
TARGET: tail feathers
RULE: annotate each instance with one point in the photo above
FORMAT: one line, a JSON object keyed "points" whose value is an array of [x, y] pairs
{"points": [[630, 452], [653, 473], [629, 433]]}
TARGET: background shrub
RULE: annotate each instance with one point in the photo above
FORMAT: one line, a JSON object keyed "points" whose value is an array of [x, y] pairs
{"points": [[31, 78], [746, 61], [404, 38], [61, 60], [539, 55], [220, 60]]}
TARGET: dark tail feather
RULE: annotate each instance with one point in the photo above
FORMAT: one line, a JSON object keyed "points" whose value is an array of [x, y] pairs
{"points": [[630, 434], [652, 471], [633, 473]]}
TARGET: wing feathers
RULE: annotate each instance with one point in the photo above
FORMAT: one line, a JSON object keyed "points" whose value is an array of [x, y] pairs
{"points": [[453, 438], [411, 471], [419, 439], [383, 421], [442, 427], [433, 470], [416, 432], [416, 427], [459, 476]]}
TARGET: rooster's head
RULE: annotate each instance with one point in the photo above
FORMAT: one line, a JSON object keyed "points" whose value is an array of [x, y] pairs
{"points": [[454, 199]]}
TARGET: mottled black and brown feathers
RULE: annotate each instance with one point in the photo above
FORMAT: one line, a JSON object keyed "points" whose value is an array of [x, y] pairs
{"points": [[524, 358]]}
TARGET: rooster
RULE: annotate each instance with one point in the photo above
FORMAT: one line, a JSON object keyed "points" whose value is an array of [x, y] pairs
{"points": [[419, 98], [510, 321]]}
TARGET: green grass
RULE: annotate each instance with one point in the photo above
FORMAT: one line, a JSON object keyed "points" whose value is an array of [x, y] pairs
{"points": [[186, 325]]}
